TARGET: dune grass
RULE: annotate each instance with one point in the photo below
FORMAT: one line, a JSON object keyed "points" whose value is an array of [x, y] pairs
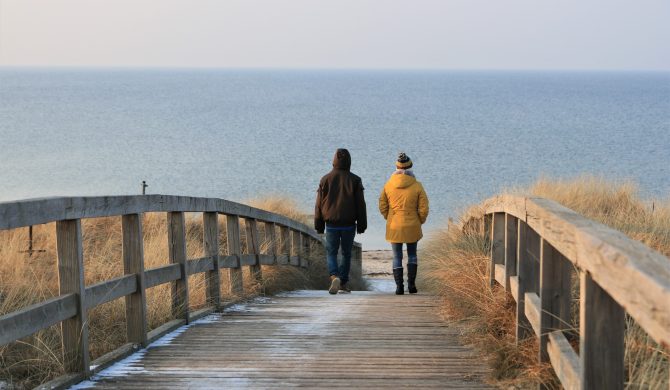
{"points": [[455, 261], [25, 280]]}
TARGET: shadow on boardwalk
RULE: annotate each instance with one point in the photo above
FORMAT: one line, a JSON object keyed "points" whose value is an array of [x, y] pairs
{"points": [[308, 339]]}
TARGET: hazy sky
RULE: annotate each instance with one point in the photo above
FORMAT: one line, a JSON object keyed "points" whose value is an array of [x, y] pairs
{"points": [[454, 34]]}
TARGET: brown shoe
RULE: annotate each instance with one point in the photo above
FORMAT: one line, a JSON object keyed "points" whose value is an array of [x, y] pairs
{"points": [[344, 289], [334, 284]]}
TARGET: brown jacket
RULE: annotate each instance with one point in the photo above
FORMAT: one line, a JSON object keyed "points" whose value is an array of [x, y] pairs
{"points": [[339, 199]]}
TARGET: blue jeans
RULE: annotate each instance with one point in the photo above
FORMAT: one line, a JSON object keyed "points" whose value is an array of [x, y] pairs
{"points": [[335, 239], [397, 254]]}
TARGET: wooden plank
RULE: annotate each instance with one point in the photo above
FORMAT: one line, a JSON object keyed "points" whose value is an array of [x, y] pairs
{"points": [[161, 275], [514, 287], [133, 266], [203, 264], [296, 248], [267, 259], [229, 261], [511, 227], [210, 224], [177, 254], [532, 311], [34, 318], [524, 275], [564, 360], [110, 290], [294, 261], [601, 337], [248, 259], [285, 244], [499, 273], [29, 212], [234, 248], [253, 248], [306, 245], [555, 294], [71, 281], [497, 244]]}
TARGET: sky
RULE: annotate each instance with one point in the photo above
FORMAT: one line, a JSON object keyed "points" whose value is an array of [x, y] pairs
{"points": [[361, 34]]}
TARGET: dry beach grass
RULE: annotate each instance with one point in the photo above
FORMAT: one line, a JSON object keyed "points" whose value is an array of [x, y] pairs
{"points": [[455, 261], [25, 280]]}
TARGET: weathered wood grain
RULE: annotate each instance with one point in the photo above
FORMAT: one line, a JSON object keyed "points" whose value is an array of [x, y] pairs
{"points": [[71, 281], [497, 244], [234, 248], [177, 253], [253, 248], [285, 245], [524, 276], [210, 225], [34, 318], [110, 290], [133, 265], [564, 360], [163, 274], [29, 212], [312, 340], [555, 294], [511, 231], [532, 310]]}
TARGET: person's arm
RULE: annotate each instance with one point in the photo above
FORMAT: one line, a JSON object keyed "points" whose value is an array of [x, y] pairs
{"points": [[361, 211], [423, 205], [319, 223], [384, 204]]}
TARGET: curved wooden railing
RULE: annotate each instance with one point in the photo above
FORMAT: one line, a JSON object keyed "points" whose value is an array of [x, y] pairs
{"points": [[536, 246], [292, 246]]}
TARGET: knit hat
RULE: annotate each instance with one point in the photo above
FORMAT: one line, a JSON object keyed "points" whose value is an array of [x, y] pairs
{"points": [[403, 162]]}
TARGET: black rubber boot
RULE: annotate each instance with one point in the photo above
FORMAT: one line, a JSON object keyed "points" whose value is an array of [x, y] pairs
{"points": [[399, 286], [411, 278]]}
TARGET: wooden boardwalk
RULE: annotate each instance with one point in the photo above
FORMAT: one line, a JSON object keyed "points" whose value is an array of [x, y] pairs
{"points": [[308, 339]]}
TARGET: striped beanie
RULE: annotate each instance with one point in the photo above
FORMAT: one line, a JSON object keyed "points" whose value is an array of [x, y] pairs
{"points": [[403, 161]]}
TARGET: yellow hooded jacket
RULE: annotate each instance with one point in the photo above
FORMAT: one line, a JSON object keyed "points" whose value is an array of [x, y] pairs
{"points": [[404, 204]]}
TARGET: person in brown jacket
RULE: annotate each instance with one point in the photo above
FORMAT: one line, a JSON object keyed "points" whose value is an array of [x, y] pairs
{"points": [[340, 212]]}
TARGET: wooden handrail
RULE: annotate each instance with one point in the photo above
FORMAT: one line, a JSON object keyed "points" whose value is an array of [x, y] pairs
{"points": [[535, 245], [75, 300]]}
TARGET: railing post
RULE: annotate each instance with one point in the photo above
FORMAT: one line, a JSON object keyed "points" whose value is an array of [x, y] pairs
{"points": [[253, 247], [524, 275], [601, 337], [177, 253], [233, 235], [285, 236], [306, 250], [210, 226], [497, 244], [133, 264], [511, 228], [271, 240], [71, 280], [555, 294], [296, 248]]}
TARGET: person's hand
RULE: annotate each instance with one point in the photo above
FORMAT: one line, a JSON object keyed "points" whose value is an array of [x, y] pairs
{"points": [[360, 231], [319, 232]]}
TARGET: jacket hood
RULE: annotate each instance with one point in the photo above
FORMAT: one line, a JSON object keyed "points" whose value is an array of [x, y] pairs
{"points": [[402, 181], [342, 159]]}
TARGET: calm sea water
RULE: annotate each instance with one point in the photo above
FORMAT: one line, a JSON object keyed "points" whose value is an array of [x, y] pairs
{"points": [[243, 134]]}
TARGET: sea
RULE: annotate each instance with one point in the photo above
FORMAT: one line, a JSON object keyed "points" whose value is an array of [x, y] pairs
{"points": [[245, 134]]}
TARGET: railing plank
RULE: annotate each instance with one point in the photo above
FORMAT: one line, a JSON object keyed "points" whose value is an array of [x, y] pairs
{"points": [[133, 265], [203, 264], [511, 228], [253, 247], [564, 360], [34, 318], [229, 261], [532, 311], [29, 212], [161, 275], [271, 245], [110, 290], [555, 294], [285, 236], [177, 252], [499, 273], [524, 276]]}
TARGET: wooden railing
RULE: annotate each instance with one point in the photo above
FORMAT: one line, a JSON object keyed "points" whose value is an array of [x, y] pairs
{"points": [[70, 308], [536, 246]]}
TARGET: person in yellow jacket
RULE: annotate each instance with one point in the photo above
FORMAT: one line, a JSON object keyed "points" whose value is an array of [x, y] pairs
{"points": [[404, 204]]}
